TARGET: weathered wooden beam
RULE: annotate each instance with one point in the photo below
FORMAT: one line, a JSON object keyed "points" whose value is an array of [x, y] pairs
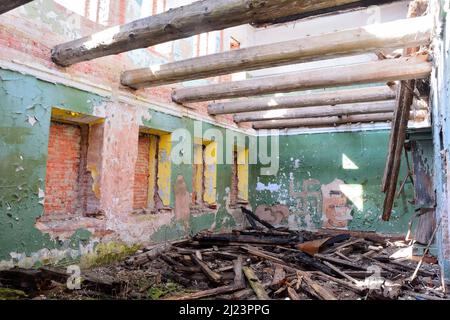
{"points": [[7, 5], [210, 274], [399, 125], [361, 73], [182, 22], [403, 109], [330, 121], [397, 34], [321, 111], [338, 9], [255, 284], [378, 93]]}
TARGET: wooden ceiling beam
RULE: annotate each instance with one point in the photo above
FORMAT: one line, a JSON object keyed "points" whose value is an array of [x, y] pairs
{"points": [[182, 22], [397, 34], [346, 75], [332, 121], [323, 98], [321, 111]]}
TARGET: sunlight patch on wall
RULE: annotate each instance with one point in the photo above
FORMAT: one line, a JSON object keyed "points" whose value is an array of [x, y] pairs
{"points": [[347, 163], [354, 192]]}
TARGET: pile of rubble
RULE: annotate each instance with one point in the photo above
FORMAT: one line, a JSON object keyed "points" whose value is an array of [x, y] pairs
{"points": [[269, 263]]}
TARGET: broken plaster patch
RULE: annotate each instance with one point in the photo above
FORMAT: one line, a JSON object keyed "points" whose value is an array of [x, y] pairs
{"points": [[41, 196], [49, 256], [99, 110], [271, 187], [32, 120]]}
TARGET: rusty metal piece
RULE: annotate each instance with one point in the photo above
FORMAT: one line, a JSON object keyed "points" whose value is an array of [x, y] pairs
{"points": [[312, 247]]}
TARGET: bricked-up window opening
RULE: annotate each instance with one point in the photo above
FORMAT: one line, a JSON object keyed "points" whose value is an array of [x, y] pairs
{"points": [[146, 193], [198, 174], [204, 176], [239, 178], [69, 185], [234, 181]]}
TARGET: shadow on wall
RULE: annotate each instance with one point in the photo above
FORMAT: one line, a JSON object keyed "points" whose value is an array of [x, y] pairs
{"points": [[330, 180]]}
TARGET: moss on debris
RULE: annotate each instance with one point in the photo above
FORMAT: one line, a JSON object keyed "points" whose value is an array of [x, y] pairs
{"points": [[106, 253], [11, 294]]}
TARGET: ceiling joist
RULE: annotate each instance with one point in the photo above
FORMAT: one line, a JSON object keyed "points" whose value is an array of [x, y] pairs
{"points": [[397, 34], [323, 98], [321, 111], [332, 121], [183, 22], [362, 73], [323, 121], [7, 5]]}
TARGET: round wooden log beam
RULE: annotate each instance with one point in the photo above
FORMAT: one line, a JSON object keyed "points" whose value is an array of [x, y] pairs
{"points": [[361, 73], [397, 34], [378, 93], [331, 121], [321, 111], [182, 22]]}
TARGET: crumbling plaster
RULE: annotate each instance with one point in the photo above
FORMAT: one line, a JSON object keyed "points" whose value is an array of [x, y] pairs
{"points": [[29, 32], [23, 165], [441, 127], [330, 180]]}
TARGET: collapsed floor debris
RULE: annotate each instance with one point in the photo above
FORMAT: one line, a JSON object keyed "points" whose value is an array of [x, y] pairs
{"points": [[274, 263]]}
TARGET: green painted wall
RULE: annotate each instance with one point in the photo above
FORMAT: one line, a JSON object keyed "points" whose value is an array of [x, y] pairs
{"points": [[221, 219], [320, 157], [25, 110]]}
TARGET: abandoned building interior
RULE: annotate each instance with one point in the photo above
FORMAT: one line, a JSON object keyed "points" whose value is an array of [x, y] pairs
{"points": [[231, 149]]}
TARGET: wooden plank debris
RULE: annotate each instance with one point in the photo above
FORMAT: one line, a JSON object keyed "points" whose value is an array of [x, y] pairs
{"points": [[397, 138], [425, 252], [256, 218], [255, 284], [274, 270], [213, 276]]}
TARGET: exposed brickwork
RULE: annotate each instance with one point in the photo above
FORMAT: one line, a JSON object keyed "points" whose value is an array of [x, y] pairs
{"points": [[141, 173], [90, 139], [234, 192], [61, 183], [93, 167], [73, 153], [18, 41]]}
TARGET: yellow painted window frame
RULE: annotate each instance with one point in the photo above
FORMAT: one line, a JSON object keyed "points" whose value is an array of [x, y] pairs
{"points": [[209, 154], [164, 165]]}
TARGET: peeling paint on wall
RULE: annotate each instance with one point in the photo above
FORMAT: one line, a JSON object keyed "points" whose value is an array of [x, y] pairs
{"points": [[23, 166], [24, 146], [320, 185]]}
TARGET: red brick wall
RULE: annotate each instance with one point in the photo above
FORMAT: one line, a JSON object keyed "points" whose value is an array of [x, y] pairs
{"points": [[234, 192], [63, 163], [141, 173], [91, 145], [18, 40]]}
